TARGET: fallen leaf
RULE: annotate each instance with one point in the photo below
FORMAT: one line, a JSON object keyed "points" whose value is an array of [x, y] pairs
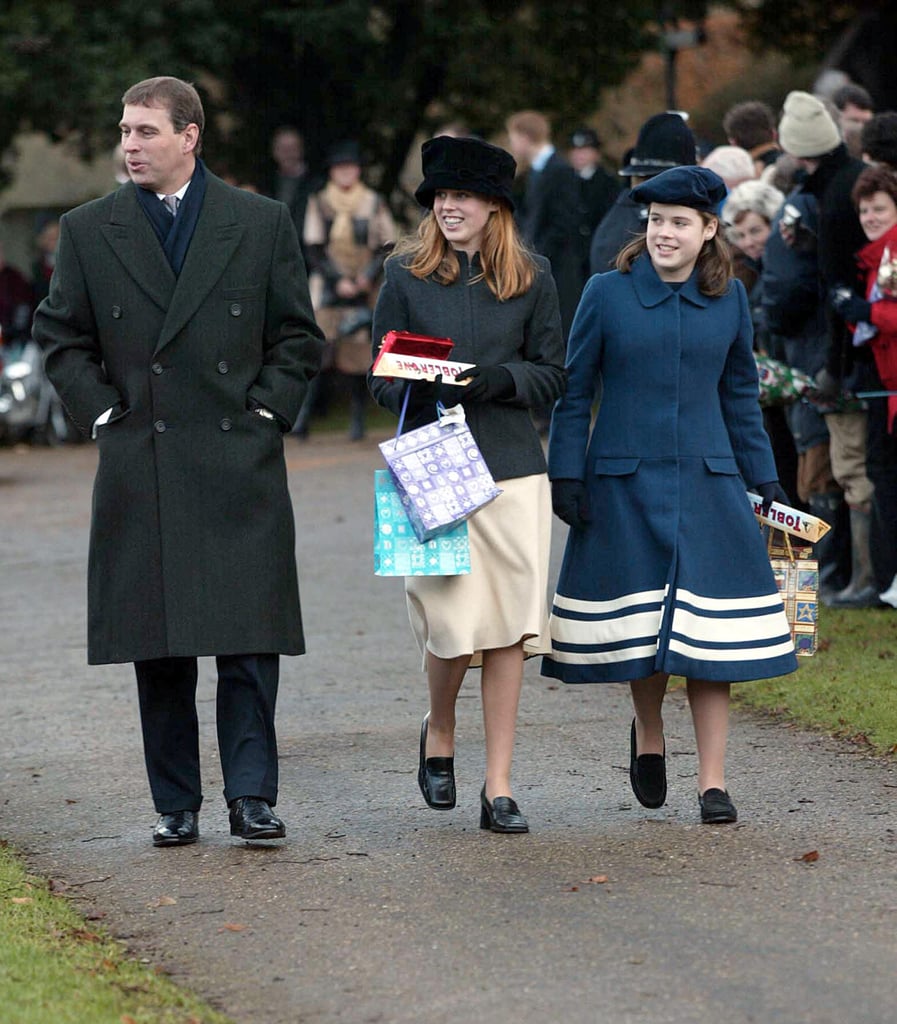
{"points": [[596, 880], [570, 888], [97, 915], [163, 901], [71, 801], [232, 927], [22, 899], [808, 858], [127, 1019], [58, 885]]}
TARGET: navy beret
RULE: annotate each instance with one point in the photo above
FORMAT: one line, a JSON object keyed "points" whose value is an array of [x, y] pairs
{"points": [[697, 187]]}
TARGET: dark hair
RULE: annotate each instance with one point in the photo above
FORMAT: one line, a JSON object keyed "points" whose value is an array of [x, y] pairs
{"points": [[179, 98], [879, 137], [714, 261], [872, 180], [750, 124], [855, 95]]}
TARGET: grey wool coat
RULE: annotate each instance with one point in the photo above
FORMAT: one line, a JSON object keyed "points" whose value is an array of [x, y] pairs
{"points": [[192, 534], [522, 334]]}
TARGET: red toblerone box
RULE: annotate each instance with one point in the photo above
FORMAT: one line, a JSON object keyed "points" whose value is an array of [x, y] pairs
{"points": [[416, 357]]}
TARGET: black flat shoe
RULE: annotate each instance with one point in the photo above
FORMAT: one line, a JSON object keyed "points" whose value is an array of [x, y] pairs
{"points": [[647, 774], [717, 807], [502, 815], [435, 775], [180, 828], [252, 818]]}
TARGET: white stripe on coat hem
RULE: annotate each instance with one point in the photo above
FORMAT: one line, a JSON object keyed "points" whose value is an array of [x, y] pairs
{"points": [[728, 604], [758, 627], [732, 654], [603, 657], [571, 604], [626, 627]]}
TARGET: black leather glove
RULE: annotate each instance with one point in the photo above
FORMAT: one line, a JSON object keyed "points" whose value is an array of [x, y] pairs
{"points": [[421, 397], [488, 384], [570, 501], [771, 492], [850, 306]]}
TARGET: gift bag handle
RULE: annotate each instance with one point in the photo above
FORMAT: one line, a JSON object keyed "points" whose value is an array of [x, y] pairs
{"points": [[440, 409]]}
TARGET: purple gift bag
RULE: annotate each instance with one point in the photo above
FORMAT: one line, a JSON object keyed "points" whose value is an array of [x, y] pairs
{"points": [[439, 472]]}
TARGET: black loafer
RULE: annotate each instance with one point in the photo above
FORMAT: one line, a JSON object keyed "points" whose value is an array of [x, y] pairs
{"points": [[180, 828], [502, 815], [717, 807], [252, 818], [647, 774], [435, 775]]}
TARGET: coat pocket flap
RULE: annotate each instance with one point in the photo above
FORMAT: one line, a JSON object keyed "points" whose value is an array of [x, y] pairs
{"points": [[615, 467], [721, 464]]}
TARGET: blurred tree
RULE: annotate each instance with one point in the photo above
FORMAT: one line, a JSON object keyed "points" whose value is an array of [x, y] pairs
{"points": [[378, 72]]}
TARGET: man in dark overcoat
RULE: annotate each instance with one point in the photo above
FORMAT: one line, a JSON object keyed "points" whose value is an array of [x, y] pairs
{"points": [[179, 332], [548, 216]]}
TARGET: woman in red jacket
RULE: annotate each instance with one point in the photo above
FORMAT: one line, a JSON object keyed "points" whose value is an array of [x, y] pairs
{"points": [[875, 320]]}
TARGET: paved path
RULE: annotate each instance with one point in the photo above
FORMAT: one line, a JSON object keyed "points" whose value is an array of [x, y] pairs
{"points": [[377, 909]]}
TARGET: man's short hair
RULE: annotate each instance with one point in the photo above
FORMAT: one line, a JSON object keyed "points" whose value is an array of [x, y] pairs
{"points": [[854, 96], [530, 123], [879, 138], [179, 98], [750, 124]]}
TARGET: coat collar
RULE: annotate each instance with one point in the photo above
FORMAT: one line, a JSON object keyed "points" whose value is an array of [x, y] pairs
{"points": [[217, 234], [651, 291], [869, 257]]}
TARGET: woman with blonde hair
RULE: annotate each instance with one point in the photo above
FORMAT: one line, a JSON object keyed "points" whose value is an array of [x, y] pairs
{"points": [[467, 276], [665, 571]]}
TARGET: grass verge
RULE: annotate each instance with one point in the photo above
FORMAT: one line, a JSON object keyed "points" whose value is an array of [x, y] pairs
{"points": [[848, 688], [56, 966]]}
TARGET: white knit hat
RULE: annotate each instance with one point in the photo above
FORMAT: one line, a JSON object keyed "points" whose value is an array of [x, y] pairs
{"points": [[807, 129]]}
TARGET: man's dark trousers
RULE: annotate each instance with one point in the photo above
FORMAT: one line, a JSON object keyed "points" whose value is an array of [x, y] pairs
{"points": [[247, 694]]}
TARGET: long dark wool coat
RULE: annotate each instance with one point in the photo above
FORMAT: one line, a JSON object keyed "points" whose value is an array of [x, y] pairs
{"points": [[192, 536]]}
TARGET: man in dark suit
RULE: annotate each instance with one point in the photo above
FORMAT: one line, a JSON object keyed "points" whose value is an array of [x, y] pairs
{"points": [[179, 333], [598, 188], [293, 181], [548, 217]]}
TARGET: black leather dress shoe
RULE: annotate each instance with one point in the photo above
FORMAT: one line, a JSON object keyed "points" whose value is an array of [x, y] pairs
{"points": [[502, 815], [252, 818], [435, 775], [717, 807], [647, 774], [180, 828]]}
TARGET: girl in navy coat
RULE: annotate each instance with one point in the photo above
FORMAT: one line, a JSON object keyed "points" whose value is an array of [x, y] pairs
{"points": [[665, 570]]}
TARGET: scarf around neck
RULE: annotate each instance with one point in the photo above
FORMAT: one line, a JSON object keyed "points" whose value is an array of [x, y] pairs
{"points": [[175, 233]]}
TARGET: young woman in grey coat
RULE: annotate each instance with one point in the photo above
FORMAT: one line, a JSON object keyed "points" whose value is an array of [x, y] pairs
{"points": [[467, 276]]}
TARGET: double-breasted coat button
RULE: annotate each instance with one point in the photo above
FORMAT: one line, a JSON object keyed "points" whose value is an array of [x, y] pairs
{"points": [[116, 312], [226, 424], [157, 368], [235, 309], [223, 367], [159, 426]]}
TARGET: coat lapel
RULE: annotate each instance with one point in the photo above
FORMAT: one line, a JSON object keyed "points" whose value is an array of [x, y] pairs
{"points": [[214, 242], [131, 237]]}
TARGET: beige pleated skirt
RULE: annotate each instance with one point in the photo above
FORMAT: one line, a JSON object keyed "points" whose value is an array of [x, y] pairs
{"points": [[504, 598]]}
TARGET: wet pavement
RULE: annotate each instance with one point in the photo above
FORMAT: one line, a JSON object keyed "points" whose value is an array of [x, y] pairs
{"points": [[377, 909]]}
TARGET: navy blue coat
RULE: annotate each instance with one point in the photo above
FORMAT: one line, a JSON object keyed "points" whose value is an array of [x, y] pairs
{"points": [[671, 574]]}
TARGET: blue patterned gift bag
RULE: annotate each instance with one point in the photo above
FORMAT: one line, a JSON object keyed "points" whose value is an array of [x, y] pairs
{"points": [[398, 552], [440, 473]]}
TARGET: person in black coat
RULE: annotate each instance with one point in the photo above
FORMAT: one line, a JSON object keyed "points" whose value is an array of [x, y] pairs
{"points": [[664, 141], [598, 189], [179, 333], [549, 216]]}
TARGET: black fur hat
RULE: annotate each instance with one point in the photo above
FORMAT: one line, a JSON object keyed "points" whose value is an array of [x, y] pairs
{"points": [[465, 164]]}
